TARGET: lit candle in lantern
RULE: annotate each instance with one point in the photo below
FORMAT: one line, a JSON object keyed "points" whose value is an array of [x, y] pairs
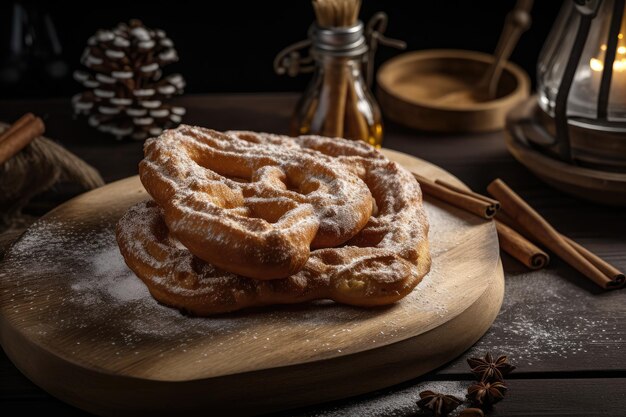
{"points": [[618, 80]]}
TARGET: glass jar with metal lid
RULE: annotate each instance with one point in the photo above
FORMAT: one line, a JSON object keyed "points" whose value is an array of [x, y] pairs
{"points": [[337, 101]]}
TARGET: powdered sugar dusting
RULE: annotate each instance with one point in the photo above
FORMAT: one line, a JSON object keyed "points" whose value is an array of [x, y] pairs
{"points": [[98, 280], [398, 403], [544, 317], [112, 279]]}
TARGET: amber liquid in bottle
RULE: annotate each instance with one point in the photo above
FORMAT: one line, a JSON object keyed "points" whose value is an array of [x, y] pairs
{"points": [[337, 103]]}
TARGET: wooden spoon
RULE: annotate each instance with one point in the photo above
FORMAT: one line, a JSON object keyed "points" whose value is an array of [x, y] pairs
{"points": [[517, 22]]}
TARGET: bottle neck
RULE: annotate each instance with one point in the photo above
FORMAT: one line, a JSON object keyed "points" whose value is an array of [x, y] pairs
{"points": [[345, 42]]}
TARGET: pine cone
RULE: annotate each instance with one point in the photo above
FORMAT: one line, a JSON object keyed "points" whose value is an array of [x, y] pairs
{"points": [[127, 95]]}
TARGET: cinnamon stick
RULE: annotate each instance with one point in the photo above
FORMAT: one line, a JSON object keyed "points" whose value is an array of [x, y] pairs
{"points": [[18, 123], [19, 136], [494, 205], [469, 201], [520, 248], [355, 124], [335, 88], [537, 227], [617, 277], [611, 271]]}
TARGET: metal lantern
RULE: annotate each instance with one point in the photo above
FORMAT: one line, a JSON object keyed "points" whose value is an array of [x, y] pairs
{"points": [[572, 134], [582, 86]]}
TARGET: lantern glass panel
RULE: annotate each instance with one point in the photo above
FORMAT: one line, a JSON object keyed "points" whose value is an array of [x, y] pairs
{"points": [[583, 96]]}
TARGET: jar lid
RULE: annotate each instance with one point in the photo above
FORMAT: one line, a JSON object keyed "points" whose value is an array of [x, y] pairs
{"points": [[340, 41]]}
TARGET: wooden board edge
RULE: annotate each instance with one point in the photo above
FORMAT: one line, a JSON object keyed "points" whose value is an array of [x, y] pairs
{"points": [[364, 372]]}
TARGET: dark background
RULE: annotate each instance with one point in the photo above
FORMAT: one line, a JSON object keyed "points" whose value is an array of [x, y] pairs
{"points": [[229, 46]]}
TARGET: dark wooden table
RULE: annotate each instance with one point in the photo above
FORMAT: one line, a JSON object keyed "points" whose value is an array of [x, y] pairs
{"points": [[566, 337]]}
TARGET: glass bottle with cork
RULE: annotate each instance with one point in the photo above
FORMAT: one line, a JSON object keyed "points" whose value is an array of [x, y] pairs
{"points": [[337, 101]]}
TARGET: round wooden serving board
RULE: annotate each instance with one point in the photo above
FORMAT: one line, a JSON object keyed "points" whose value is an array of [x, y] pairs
{"points": [[78, 323]]}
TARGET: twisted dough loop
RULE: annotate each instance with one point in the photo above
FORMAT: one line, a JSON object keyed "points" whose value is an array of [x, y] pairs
{"points": [[381, 264], [251, 207]]}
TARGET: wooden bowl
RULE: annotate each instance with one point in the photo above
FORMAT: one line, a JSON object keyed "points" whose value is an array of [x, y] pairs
{"points": [[411, 87]]}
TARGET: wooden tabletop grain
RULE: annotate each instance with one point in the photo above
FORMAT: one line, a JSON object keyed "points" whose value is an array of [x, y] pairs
{"points": [[566, 336]]}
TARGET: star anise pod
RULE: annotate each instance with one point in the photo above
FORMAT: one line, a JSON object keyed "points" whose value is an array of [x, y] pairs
{"points": [[486, 394], [439, 404], [488, 370]]}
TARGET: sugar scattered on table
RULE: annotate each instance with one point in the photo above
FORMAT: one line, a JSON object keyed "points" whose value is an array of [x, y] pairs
{"points": [[545, 317], [396, 403]]}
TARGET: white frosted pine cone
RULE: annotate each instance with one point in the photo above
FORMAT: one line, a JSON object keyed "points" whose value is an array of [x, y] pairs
{"points": [[127, 94]]}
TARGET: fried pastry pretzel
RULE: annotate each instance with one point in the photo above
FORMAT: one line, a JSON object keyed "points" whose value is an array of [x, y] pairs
{"points": [[381, 264], [249, 206]]}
